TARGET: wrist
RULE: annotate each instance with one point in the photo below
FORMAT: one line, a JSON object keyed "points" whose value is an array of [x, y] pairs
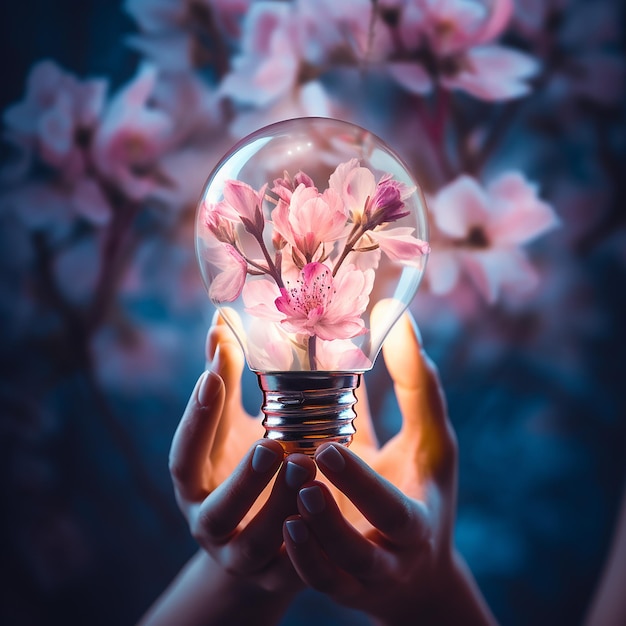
{"points": [[448, 598], [204, 593], [457, 599]]}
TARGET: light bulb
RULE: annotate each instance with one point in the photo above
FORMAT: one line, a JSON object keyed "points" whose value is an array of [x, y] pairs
{"points": [[302, 228]]}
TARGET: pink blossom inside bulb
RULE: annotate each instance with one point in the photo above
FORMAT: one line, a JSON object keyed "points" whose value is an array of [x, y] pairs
{"points": [[300, 231]]}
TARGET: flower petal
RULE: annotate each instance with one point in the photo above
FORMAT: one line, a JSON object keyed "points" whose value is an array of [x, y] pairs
{"points": [[460, 205], [494, 73], [412, 76]]}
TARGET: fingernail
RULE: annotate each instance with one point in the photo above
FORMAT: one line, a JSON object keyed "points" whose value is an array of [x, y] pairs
{"points": [[297, 530], [313, 499], [331, 458], [263, 458], [295, 475], [208, 388]]}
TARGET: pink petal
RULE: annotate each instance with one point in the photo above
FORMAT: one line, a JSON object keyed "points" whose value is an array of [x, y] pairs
{"points": [[313, 100], [337, 180], [412, 76], [400, 245], [460, 205], [243, 198], [519, 214], [359, 186], [499, 17], [342, 329], [230, 271], [268, 348], [340, 355], [259, 296], [56, 129], [491, 271], [494, 73], [443, 271], [90, 202]]}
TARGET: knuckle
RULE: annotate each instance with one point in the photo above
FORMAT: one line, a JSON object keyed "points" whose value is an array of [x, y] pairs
{"points": [[210, 527], [178, 470]]}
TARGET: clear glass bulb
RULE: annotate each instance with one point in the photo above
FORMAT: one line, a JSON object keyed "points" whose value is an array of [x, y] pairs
{"points": [[302, 229]]}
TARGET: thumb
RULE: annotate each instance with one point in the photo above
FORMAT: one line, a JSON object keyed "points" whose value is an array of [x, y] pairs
{"points": [[225, 357], [425, 425]]}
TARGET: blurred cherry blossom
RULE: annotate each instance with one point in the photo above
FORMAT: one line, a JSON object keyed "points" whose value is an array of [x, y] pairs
{"points": [[482, 231]]}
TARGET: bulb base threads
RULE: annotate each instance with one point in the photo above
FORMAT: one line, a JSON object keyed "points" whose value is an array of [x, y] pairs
{"points": [[305, 409]]}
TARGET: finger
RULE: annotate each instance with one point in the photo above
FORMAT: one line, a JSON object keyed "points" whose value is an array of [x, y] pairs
{"points": [[344, 545], [401, 520], [259, 542], [420, 395], [226, 358], [218, 516], [311, 562], [194, 437]]}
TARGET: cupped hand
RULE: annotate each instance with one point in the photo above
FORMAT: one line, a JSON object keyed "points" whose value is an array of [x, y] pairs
{"points": [[380, 539], [224, 476]]}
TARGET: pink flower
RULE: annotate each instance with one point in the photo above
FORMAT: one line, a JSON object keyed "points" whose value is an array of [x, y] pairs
{"points": [[370, 203], [482, 231], [449, 41], [57, 116], [174, 33], [374, 206], [132, 137], [323, 306], [269, 63], [310, 219]]}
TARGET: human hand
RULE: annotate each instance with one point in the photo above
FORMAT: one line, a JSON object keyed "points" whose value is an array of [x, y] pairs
{"points": [[397, 562], [234, 510]]}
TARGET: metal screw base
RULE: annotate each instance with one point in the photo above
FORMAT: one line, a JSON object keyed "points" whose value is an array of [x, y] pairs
{"points": [[305, 409]]}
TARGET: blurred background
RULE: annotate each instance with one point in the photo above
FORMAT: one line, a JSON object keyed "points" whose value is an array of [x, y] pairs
{"points": [[511, 114]]}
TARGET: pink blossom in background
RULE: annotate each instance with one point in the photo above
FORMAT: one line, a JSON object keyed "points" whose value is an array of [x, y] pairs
{"points": [[308, 100], [57, 116], [132, 137], [269, 62], [286, 48], [54, 205], [172, 31], [455, 37], [481, 231]]}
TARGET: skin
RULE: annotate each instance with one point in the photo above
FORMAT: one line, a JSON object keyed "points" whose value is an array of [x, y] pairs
{"points": [[397, 562], [373, 530]]}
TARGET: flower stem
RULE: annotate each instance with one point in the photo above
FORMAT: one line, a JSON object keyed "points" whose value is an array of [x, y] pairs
{"points": [[312, 350], [355, 235], [273, 270]]}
